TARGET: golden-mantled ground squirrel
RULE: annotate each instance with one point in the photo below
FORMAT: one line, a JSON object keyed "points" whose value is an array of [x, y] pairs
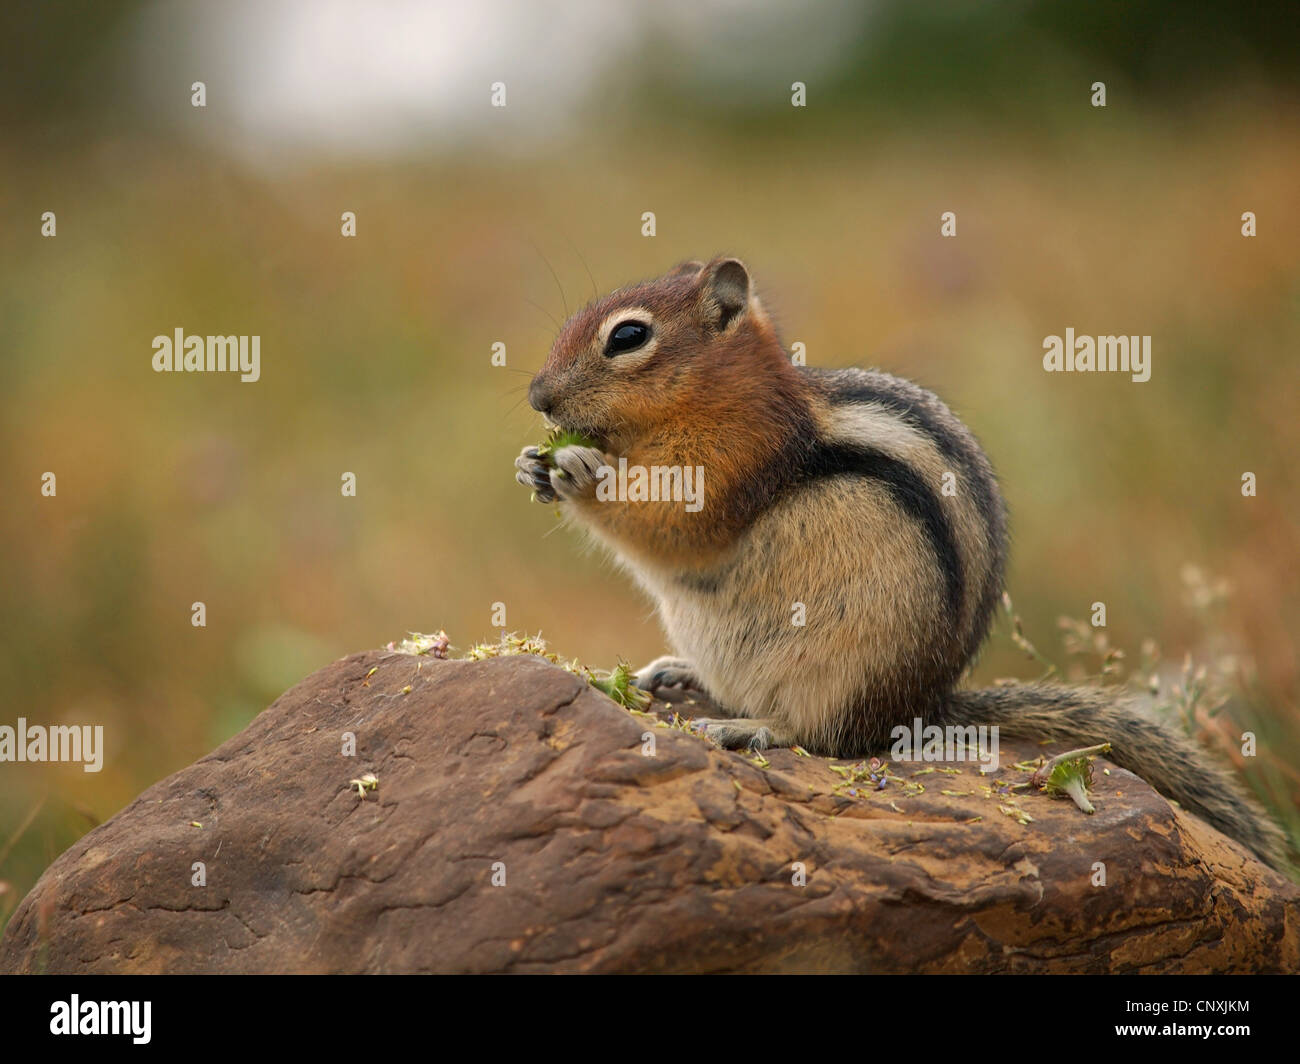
{"points": [[851, 501]]}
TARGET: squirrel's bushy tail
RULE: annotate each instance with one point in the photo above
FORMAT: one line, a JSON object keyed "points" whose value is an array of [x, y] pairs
{"points": [[1168, 761]]}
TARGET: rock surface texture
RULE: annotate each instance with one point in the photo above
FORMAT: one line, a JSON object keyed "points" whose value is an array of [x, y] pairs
{"points": [[520, 824]]}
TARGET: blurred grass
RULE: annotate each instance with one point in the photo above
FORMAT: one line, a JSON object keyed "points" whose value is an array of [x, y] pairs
{"points": [[376, 359]]}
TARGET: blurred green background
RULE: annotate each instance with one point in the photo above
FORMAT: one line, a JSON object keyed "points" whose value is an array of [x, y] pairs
{"points": [[376, 349]]}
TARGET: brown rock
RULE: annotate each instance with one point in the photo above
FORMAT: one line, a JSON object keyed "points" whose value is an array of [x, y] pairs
{"points": [[617, 861]]}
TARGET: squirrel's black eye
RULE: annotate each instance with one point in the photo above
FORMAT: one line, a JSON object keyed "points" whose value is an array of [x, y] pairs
{"points": [[627, 336]]}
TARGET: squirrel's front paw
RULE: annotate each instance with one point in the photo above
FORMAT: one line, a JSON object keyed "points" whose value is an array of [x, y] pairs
{"points": [[533, 472], [576, 471], [667, 671]]}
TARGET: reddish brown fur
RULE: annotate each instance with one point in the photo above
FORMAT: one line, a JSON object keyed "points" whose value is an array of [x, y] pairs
{"points": [[728, 401]]}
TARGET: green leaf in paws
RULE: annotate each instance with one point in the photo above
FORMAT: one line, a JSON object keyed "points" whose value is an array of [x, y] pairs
{"points": [[559, 438]]}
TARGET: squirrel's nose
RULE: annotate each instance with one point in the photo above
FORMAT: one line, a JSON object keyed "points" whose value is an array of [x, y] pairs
{"points": [[540, 396]]}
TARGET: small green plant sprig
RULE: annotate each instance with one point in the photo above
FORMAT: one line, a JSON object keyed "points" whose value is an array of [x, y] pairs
{"points": [[557, 439], [368, 782], [1069, 775], [618, 685]]}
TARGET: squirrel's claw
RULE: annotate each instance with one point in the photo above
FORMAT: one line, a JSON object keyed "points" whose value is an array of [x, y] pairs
{"points": [[667, 672], [576, 470], [534, 473]]}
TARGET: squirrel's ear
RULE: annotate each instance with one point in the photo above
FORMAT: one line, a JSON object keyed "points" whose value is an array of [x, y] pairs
{"points": [[725, 292], [686, 269]]}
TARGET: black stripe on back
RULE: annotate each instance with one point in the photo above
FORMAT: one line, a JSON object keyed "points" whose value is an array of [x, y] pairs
{"points": [[910, 492], [847, 387], [913, 414]]}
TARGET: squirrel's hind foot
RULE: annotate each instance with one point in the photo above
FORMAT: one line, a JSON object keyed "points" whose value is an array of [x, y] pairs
{"points": [[744, 733]]}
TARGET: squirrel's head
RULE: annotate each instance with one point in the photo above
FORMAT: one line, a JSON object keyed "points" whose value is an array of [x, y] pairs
{"points": [[647, 355]]}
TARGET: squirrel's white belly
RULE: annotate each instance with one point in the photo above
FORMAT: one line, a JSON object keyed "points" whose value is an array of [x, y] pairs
{"points": [[805, 618]]}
